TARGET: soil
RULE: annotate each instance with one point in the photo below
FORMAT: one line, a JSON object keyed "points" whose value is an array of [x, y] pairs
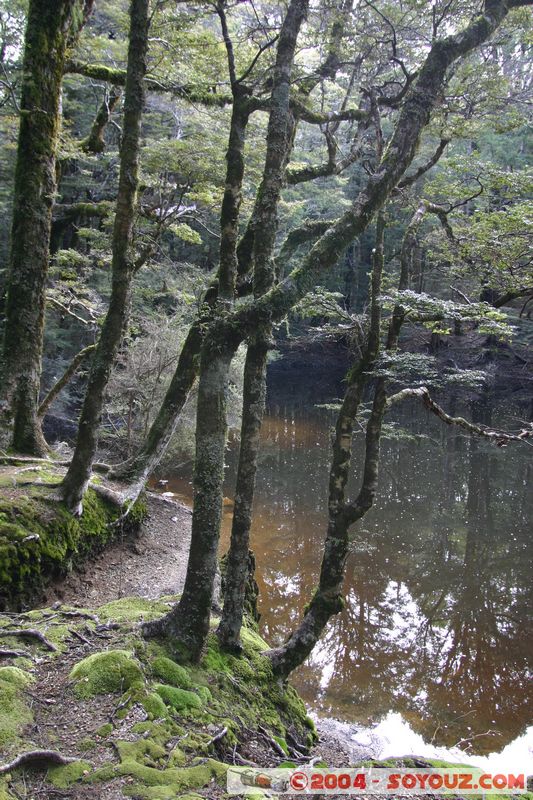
{"points": [[150, 565]]}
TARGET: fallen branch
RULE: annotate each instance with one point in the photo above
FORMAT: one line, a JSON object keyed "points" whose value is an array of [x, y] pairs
{"points": [[30, 633], [272, 742], [34, 758], [80, 636]]}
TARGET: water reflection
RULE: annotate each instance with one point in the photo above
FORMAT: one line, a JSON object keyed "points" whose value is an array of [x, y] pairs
{"points": [[438, 620]]}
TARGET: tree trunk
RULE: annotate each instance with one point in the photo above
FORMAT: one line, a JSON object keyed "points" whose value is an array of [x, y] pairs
{"points": [[328, 597], [280, 134], [77, 478], [188, 622], [52, 26], [137, 469], [60, 384], [95, 142], [237, 567]]}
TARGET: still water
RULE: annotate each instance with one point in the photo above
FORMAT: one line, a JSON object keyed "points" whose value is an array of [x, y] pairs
{"points": [[436, 640]]}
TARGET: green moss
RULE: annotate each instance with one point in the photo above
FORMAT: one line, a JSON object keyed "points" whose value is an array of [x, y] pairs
{"points": [[106, 673], [14, 713], [154, 706], [131, 609], [40, 540], [179, 699], [282, 743], [170, 672], [16, 677], [65, 776], [105, 730]]}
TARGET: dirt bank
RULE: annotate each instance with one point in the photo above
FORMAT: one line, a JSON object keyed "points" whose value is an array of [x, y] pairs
{"points": [[151, 564]]}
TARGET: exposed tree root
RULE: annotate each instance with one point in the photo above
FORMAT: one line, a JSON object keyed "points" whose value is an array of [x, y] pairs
{"points": [[14, 654], [30, 633], [36, 758]]}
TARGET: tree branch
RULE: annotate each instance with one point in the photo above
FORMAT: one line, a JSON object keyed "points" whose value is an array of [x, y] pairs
{"points": [[500, 438]]}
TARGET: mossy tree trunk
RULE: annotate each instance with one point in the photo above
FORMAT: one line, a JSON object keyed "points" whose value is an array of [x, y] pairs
{"points": [[95, 142], [52, 28], [189, 620], [280, 134], [328, 597], [123, 263]]}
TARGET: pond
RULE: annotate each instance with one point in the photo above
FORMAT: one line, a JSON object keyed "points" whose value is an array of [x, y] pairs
{"points": [[435, 642]]}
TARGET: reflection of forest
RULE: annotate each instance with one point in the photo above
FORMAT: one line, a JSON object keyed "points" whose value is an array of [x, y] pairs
{"points": [[438, 585]]}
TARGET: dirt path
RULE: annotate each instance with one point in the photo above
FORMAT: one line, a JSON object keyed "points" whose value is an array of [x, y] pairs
{"points": [[151, 565]]}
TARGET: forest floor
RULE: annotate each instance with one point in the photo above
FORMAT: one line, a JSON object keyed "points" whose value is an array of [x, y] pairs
{"points": [[85, 683], [150, 564]]}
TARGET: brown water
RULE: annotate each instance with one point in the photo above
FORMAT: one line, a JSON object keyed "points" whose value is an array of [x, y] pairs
{"points": [[437, 626]]}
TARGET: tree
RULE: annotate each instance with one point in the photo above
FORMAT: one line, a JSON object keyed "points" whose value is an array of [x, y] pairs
{"points": [[52, 29], [123, 264], [189, 620]]}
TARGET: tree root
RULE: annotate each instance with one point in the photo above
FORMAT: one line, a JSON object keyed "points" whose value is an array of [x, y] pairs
{"points": [[14, 654], [34, 758], [31, 634]]}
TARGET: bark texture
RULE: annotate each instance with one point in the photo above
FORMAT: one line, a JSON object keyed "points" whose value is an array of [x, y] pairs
{"points": [[188, 622], [280, 133], [95, 142], [77, 478], [52, 27]]}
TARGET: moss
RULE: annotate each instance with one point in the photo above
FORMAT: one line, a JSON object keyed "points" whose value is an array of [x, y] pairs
{"points": [[105, 673], [179, 699], [16, 677], [131, 609], [170, 672], [105, 730], [65, 776], [144, 751], [154, 706], [14, 713], [40, 540], [282, 743]]}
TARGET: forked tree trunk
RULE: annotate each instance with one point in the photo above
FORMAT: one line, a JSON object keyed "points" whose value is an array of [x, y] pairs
{"points": [[52, 27], [280, 134], [77, 478], [188, 622], [233, 328]]}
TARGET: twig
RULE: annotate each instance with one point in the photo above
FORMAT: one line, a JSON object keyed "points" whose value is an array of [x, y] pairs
{"points": [[30, 633], [80, 637], [34, 758], [272, 742], [217, 737]]}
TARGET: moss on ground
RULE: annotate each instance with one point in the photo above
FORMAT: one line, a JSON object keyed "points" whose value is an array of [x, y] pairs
{"points": [[40, 540], [172, 752], [105, 673], [14, 711], [65, 776], [169, 672]]}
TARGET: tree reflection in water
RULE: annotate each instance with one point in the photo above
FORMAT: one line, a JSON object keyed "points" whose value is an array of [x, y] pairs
{"points": [[438, 619]]}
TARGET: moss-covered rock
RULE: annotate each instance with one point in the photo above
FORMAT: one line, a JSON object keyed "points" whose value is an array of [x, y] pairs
{"points": [[169, 672], [109, 672], [180, 700], [14, 712]]}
